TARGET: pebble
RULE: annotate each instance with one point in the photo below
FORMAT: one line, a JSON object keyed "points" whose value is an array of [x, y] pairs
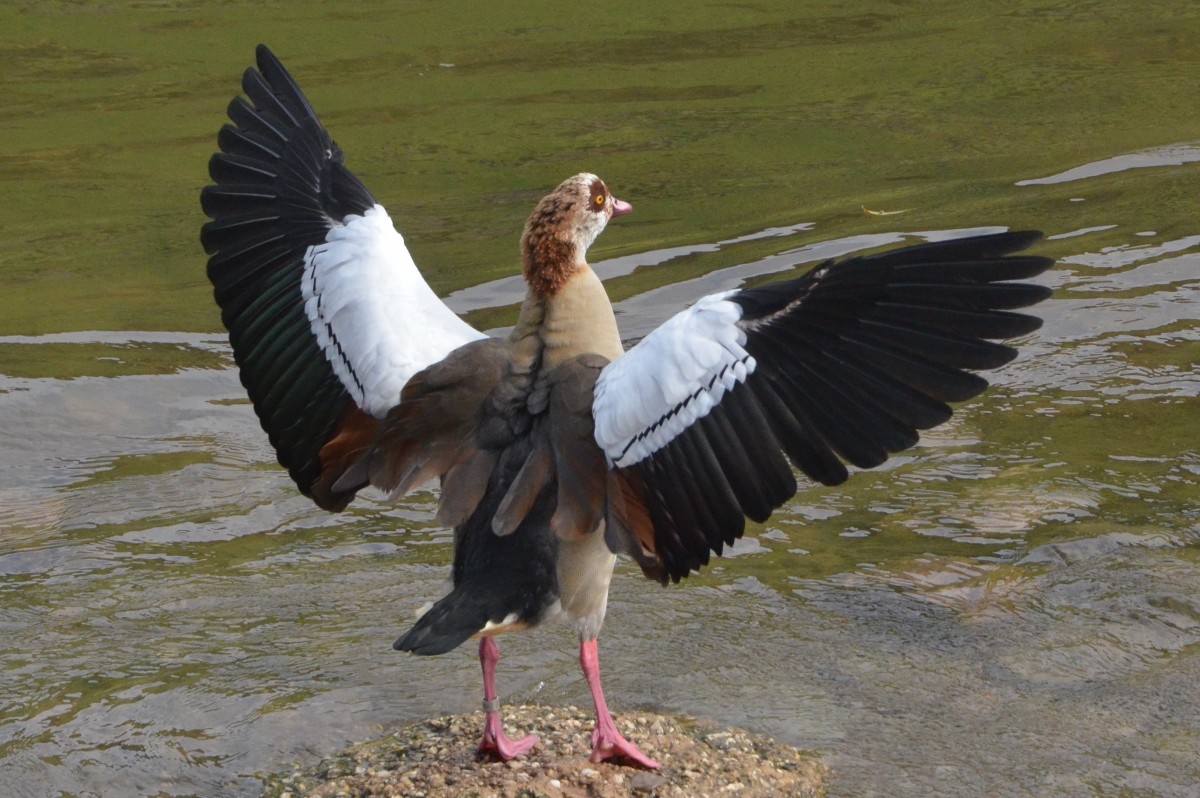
{"points": [[722, 741], [646, 781], [436, 758]]}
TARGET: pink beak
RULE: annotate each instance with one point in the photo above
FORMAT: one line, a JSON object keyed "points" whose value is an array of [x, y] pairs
{"points": [[621, 207]]}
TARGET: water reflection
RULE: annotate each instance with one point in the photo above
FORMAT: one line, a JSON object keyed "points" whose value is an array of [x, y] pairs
{"points": [[1173, 155]]}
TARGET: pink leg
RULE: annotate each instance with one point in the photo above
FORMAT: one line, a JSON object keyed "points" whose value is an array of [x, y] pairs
{"points": [[607, 742], [495, 742]]}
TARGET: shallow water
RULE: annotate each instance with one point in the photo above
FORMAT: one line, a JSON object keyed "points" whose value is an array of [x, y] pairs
{"points": [[1010, 608]]}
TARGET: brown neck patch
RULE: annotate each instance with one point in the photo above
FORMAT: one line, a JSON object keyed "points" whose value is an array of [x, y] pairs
{"points": [[548, 254]]}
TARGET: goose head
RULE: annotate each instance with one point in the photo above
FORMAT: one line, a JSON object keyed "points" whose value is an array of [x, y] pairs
{"points": [[562, 227]]}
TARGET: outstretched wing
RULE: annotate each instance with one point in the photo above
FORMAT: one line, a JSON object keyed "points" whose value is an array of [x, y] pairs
{"points": [[841, 365], [326, 311]]}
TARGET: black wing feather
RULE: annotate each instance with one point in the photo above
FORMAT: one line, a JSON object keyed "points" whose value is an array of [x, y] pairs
{"points": [[850, 361], [280, 184]]}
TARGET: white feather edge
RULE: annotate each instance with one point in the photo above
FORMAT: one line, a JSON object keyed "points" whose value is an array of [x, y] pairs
{"points": [[685, 365], [374, 316]]}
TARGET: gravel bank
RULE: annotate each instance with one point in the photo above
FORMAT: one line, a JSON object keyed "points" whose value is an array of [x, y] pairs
{"points": [[434, 758]]}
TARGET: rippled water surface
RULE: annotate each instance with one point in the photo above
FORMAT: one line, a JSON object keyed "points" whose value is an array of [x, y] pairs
{"points": [[1010, 608]]}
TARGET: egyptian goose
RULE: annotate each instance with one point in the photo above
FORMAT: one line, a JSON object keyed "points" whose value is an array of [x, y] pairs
{"points": [[555, 448]]}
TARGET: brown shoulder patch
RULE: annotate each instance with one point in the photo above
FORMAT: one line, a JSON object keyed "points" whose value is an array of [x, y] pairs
{"points": [[629, 527], [354, 436]]}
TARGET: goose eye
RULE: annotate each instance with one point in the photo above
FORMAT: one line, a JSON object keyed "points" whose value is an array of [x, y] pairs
{"points": [[598, 201]]}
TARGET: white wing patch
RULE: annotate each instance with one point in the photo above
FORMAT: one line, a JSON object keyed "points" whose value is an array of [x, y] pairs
{"points": [[670, 379], [375, 318]]}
